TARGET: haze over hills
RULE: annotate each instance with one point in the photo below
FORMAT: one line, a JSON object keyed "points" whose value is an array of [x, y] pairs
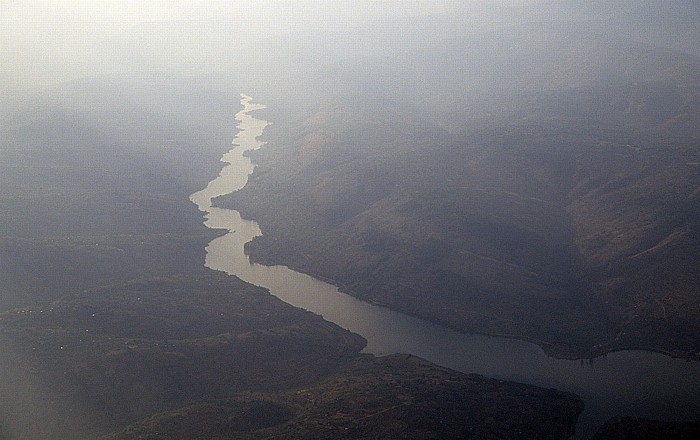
{"points": [[546, 189], [109, 317], [529, 169]]}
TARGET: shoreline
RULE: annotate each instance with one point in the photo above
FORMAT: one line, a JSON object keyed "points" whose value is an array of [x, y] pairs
{"points": [[525, 360], [553, 350]]}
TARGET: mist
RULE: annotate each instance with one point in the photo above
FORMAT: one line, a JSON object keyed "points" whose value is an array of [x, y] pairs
{"points": [[508, 188], [51, 42]]}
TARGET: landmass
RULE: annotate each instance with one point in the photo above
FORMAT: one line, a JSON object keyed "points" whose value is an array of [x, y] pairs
{"points": [[517, 171], [111, 326], [568, 218]]}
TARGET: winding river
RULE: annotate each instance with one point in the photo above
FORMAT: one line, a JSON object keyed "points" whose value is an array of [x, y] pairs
{"points": [[631, 383]]}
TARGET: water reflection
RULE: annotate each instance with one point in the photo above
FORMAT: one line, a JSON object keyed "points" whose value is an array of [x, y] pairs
{"points": [[632, 383]]}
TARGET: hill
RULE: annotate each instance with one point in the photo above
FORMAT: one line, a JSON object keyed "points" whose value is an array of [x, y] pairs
{"points": [[561, 210], [111, 326]]}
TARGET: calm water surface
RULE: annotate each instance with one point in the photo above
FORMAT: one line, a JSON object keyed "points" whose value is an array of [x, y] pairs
{"points": [[632, 383]]}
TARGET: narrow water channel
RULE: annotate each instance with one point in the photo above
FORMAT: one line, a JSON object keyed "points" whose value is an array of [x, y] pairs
{"points": [[630, 383]]}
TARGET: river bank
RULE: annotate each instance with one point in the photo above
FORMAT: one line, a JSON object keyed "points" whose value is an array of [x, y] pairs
{"points": [[609, 384]]}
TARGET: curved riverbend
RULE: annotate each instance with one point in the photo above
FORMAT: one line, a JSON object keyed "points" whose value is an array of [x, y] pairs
{"points": [[631, 383]]}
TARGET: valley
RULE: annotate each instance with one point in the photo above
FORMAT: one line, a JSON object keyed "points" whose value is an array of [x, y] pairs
{"points": [[472, 219]]}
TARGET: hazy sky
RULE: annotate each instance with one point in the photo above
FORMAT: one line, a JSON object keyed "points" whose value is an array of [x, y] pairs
{"points": [[48, 41]]}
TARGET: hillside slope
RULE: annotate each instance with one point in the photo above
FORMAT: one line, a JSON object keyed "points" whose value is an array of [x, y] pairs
{"points": [[566, 216]]}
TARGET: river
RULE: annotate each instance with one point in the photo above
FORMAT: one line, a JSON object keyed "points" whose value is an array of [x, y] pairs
{"points": [[630, 383]]}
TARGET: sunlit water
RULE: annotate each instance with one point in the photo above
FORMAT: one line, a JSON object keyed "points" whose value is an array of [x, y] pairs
{"points": [[631, 383]]}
